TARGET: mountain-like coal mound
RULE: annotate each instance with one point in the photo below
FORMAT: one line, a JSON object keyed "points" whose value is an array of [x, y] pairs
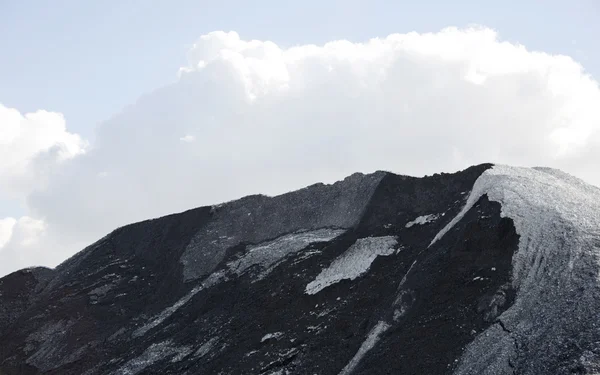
{"points": [[491, 270]]}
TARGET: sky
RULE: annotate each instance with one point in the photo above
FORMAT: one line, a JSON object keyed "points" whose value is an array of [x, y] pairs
{"points": [[117, 111]]}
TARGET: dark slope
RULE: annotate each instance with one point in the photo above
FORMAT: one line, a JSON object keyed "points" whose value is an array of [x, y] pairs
{"points": [[17, 292], [223, 289]]}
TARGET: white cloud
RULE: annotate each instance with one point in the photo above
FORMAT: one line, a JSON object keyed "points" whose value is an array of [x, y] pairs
{"points": [[188, 139], [6, 230], [20, 244], [28, 231], [30, 144], [270, 119]]}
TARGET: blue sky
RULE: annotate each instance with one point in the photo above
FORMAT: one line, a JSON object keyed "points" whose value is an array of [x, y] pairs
{"points": [[89, 59]]}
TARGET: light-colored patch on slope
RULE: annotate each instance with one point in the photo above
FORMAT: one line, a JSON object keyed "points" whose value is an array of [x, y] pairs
{"points": [[367, 345], [268, 254], [422, 220], [48, 347], [274, 335], [153, 354], [353, 262], [205, 348], [213, 279], [555, 269]]}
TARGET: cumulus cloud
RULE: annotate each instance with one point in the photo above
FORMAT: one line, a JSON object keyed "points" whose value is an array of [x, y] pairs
{"points": [[29, 145], [19, 244], [252, 117], [6, 229], [32, 147]]}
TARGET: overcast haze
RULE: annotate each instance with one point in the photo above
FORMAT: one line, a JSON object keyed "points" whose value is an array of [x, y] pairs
{"points": [[114, 112]]}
